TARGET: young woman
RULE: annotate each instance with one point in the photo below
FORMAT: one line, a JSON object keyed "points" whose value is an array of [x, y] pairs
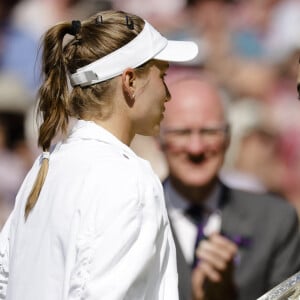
{"points": [[90, 220]]}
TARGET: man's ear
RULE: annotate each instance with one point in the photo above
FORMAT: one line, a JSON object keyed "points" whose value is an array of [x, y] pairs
{"points": [[228, 139], [128, 85]]}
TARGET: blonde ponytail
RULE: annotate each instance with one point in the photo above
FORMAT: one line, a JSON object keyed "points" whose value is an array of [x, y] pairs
{"points": [[39, 182], [92, 39], [52, 106]]}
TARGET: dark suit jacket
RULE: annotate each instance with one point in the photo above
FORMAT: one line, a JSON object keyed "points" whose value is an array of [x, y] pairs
{"points": [[271, 226]]}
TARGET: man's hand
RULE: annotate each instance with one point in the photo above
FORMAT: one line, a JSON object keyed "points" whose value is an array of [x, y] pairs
{"points": [[212, 278]]}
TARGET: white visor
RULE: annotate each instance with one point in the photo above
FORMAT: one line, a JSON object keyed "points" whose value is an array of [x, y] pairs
{"points": [[148, 44]]}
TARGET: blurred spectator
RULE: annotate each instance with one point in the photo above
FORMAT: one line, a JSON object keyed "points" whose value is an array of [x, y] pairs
{"points": [[242, 256], [284, 30], [286, 116], [151, 9], [163, 14], [251, 30], [210, 22], [18, 49], [27, 21], [15, 153], [36, 16], [248, 79], [253, 159]]}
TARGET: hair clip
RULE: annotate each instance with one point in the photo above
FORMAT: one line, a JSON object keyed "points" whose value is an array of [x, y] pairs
{"points": [[45, 155], [99, 20], [129, 23], [75, 28]]}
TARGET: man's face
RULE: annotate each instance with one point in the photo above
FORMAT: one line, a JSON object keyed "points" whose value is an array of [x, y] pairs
{"points": [[194, 133]]}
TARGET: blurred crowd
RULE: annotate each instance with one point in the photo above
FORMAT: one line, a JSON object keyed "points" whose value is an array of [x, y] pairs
{"points": [[249, 48]]}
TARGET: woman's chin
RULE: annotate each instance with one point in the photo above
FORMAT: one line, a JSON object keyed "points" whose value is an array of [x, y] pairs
{"points": [[154, 131]]}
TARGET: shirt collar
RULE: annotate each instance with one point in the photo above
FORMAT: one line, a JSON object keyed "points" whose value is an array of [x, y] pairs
{"points": [[177, 203], [91, 131]]}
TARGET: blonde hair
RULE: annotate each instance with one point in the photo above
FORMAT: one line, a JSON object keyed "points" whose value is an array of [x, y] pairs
{"points": [[96, 37]]}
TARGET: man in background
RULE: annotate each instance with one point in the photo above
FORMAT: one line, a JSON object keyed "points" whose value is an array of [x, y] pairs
{"points": [[254, 242]]}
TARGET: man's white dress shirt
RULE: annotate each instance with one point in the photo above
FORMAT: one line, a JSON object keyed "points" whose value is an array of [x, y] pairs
{"points": [[98, 231], [185, 228]]}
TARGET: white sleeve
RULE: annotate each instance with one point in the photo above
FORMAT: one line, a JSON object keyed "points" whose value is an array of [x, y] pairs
{"points": [[4, 257], [118, 259]]}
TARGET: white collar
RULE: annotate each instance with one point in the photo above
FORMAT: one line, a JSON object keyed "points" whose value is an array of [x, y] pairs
{"points": [[176, 203], [90, 130]]}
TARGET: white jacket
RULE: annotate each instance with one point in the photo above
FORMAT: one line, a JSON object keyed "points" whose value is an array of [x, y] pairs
{"points": [[98, 231]]}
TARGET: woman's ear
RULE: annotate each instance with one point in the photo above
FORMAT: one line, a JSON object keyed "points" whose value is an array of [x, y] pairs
{"points": [[128, 85]]}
